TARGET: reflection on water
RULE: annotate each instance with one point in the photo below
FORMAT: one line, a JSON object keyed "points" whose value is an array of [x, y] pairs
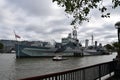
{"points": [[12, 68]]}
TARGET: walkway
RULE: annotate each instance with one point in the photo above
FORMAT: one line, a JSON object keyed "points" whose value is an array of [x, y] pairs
{"points": [[114, 78]]}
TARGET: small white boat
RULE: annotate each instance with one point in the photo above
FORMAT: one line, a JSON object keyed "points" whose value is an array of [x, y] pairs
{"points": [[13, 51], [58, 58]]}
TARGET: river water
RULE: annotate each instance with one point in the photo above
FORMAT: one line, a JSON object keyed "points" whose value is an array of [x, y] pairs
{"points": [[12, 68]]}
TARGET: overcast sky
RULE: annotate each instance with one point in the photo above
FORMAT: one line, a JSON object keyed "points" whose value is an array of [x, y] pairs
{"points": [[44, 20]]}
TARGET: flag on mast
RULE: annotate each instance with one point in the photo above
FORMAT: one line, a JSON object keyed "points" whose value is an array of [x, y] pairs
{"points": [[16, 36]]}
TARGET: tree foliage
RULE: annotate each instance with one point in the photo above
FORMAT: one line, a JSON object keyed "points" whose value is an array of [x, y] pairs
{"points": [[109, 47], [80, 9], [113, 46], [116, 46], [1, 46]]}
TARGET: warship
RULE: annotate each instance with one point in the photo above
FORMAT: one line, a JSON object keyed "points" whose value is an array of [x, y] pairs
{"points": [[69, 46]]}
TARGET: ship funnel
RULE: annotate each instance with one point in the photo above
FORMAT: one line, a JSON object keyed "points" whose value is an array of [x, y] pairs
{"points": [[100, 45], [86, 42], [95, 43]]}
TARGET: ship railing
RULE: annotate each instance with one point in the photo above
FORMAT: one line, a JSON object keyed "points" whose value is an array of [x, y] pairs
{"points": [[94, 72]]}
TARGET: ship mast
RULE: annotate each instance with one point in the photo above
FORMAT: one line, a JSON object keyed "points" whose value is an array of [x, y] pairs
{"points": [[92, 42], [74, 33]]}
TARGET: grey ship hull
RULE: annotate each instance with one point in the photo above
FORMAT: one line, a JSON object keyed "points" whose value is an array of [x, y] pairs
{"points": [[95, 51], [32, 51]]}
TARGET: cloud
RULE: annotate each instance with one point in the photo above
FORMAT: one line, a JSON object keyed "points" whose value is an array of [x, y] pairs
{"points": [[44, 20], [110, 36], [36, 7]]}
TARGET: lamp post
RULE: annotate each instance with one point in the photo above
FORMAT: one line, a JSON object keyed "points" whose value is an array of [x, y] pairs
{"points": [[117, 26], [117, 68]]}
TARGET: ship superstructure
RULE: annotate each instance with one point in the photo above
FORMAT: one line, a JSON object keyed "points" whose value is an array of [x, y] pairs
{"points": [[94, 49]]}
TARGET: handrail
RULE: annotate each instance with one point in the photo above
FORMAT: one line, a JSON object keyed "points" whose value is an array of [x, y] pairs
{"points": [[99, 70]]}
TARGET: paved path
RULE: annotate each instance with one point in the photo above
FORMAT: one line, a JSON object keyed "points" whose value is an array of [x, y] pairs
{"points": [[113, 78]]}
